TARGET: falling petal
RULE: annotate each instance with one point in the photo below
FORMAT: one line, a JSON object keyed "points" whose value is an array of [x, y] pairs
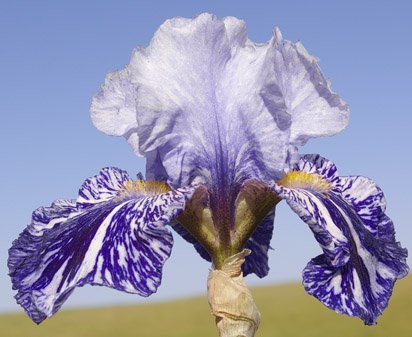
{"points": [[361, 259], [259, 245], [119, 243]]}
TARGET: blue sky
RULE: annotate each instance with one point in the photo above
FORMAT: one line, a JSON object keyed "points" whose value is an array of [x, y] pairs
{"points": [[54, 56]]}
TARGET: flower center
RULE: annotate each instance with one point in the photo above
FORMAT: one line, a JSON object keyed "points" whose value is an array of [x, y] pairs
{"points": [[305, 180]]}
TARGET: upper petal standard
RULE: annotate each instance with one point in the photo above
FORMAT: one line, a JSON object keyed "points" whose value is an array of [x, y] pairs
{"points": [[206, 103]]}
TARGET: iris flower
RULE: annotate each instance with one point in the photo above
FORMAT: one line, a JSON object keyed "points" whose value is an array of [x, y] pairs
{"points": [[219, 120]]}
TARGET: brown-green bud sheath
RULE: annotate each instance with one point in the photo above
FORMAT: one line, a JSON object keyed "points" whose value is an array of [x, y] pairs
{"points": [[230, 299]]}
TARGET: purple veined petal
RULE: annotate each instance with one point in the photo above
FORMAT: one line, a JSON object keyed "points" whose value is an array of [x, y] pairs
{"points": [[201, 129], [113, 109], [314, 163], [310, 208], [361, 259], [119, 243], [314, 108], [25, 249], [102, 187], [258, 243], [215, 107], [364, 285], [367, 199]]}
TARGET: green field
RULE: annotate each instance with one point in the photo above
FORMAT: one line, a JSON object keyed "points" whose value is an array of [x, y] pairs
{"points": [[286, 311]]}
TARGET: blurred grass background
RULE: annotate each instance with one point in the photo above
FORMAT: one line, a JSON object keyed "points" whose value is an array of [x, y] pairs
{"points": [[286, 311]]}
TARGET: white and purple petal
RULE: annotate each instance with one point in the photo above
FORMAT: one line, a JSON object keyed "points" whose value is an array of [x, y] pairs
{"points": [[210, 104], [24, 251], [308, 204], [102, 187], [366, 198], [363, 286], [113, 109], [361, 260], [314, 108], [118, 243], [314, 163], [259, 245]]}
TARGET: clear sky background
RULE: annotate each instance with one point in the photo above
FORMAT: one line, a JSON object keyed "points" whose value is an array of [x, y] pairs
{"points": [[54, 55]]}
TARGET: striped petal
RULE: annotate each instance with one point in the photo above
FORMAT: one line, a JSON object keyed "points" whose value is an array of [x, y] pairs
{"points": [[367, 199], [120, 241], [102, 187], [361, 260], [259, 244]]}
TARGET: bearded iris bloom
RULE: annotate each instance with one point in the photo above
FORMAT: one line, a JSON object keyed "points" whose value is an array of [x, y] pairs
{"points": [[219, 120]]}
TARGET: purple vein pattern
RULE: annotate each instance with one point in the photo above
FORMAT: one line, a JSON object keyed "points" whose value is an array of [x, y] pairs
{"points": [[104, 239], [361, 259]]}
